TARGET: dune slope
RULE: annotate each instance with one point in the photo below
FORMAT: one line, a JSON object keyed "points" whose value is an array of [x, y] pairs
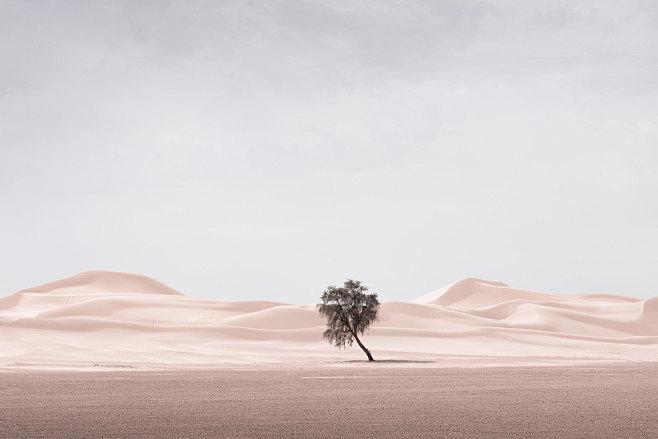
{"points": [[101, 317]]}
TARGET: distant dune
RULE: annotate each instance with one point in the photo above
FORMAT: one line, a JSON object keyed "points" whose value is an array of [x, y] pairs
{"points": [[109, 318], [102, 281]]}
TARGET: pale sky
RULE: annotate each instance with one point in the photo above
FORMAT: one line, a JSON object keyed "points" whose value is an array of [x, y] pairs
{"points": [[268, 149]]}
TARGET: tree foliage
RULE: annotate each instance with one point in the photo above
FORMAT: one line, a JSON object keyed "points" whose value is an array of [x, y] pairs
{"points": [[349, 311]]}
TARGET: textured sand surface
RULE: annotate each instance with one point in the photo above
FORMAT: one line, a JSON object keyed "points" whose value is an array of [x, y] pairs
{"points": [[357, 400], [119, 319]]}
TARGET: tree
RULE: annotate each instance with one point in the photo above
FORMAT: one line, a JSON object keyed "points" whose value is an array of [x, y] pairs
{"points": [[349, 312]]}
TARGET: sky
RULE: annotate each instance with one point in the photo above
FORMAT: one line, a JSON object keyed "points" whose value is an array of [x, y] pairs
{"points": [[267, 149]]}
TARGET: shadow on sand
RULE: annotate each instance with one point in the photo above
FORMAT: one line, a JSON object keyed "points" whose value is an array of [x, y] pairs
{"points": [[389, 361]]}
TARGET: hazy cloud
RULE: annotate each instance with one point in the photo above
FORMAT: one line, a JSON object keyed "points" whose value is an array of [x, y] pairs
{"points": [[265, 149]]}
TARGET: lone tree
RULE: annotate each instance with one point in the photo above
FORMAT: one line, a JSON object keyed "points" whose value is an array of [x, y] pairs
{"points": [[349, 312]]}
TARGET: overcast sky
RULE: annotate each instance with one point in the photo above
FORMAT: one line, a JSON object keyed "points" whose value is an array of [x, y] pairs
{"points": [[268, 149]]}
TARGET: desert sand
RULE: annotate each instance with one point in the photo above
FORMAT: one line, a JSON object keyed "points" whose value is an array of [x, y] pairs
{"points": [[104, 319], [108, 354], [361, 400]]}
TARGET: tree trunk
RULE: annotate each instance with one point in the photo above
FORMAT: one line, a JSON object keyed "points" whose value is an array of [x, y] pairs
{"points": [[364, 348]]}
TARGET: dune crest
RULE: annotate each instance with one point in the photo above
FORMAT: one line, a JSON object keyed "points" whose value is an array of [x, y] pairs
{"points": [[105, 317], [473, 293], [102, 282]]}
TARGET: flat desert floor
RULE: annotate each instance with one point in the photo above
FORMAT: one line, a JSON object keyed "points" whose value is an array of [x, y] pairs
{"points": [[351, 399]]}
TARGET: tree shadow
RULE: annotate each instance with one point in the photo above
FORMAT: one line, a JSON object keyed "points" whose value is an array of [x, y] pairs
{"points": [[390, 361]]}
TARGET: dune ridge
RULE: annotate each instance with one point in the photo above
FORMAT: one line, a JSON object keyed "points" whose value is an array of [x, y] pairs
{"points": [[104, 281], [102, 316]]}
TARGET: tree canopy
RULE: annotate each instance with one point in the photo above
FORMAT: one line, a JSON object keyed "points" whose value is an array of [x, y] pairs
{"points": [[349, 311]]}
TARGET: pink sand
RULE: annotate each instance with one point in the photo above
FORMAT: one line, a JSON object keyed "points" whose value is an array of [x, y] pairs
{"points": [[102, 318]]}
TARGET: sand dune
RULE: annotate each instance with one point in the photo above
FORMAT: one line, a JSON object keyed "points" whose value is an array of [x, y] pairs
{"points": [[102, 317], [477, 293], [101, 281]]}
